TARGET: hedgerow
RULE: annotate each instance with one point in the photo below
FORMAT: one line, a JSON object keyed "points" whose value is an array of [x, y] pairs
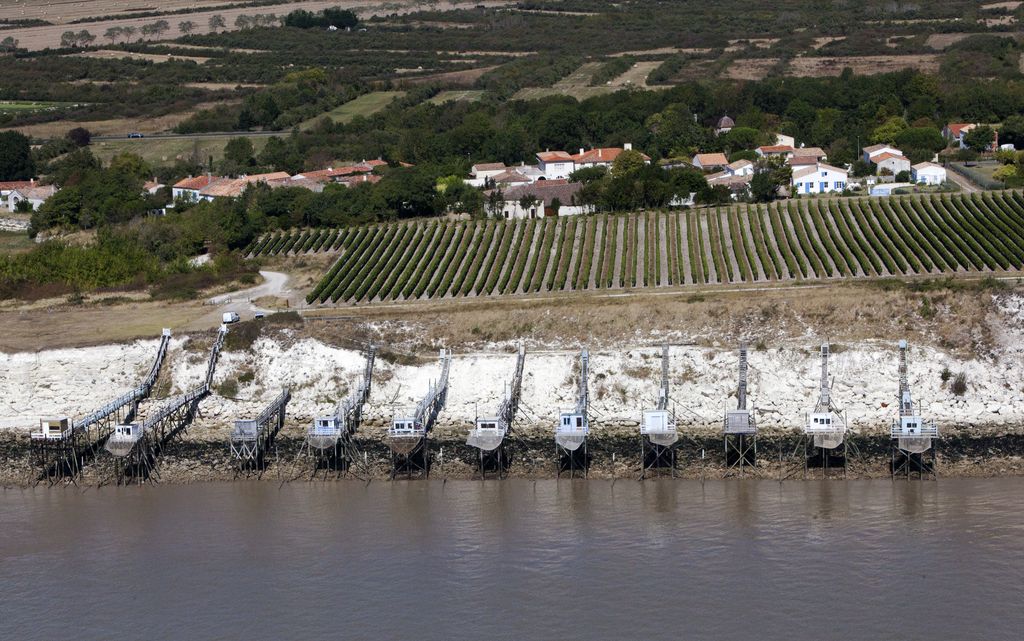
{"points": [[512, 231], [762, 243], [510, 282], [739, 246], [535, 273], [584, 258], [390, 262], [723, 266], [809, 245], [469, 277]]}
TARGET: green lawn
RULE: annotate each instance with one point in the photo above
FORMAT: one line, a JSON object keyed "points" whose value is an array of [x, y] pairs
{"points": [[164, 151], [365, 105]]}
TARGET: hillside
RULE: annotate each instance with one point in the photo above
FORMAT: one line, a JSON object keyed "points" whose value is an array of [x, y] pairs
{"points": [[788, 241]]}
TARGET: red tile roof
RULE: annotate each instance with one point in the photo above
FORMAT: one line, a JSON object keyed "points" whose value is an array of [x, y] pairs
{"points": [[956, 128], [775, 149], [711, 160], [886, 156], [16, 184], [195, 183], [554, 156], [601, 155]]}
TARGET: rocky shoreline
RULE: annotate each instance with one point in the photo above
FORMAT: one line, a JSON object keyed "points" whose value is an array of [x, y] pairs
{"points": [[615, 454]]}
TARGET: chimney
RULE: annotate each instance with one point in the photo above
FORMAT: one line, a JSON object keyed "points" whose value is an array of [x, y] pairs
{"points": [[581, 151], [600, 153], [628, 146]]}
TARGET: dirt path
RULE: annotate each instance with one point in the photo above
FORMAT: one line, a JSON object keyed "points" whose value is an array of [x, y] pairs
{"points": [[769, 231], [797, 249], [524, 279], [641, 248], [556, 248], [816, 238], [666, 246], [684, 248], [595, 265], [577, 248], [756, 268], [620, 237], [708, 256], [730, 251], [966, 186]]}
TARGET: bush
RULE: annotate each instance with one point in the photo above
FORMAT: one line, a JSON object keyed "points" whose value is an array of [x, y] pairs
{"points": [[959, 386]]}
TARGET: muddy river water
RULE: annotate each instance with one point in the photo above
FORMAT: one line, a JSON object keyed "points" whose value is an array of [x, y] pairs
{"points": [[516, 559]]}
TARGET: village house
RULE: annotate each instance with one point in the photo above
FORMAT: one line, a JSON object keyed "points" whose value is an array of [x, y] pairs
{"points": [[7, 187], [189, 188], [955, 132], [870, 153], [602, 157], [35, 195], [819, 179], [928, 173], [539, 200], [710, 162], [481, 172], [555, 165], [782, 140], [768, 151], [815, 154], [891, 163]]}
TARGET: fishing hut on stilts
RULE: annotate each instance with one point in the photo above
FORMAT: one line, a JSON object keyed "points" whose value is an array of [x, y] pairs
{"points": [[62, 446], [658, 435], [825, 444], [251, 439], [136, 447], [571, 452], [330, 440], [409, 434], [914, 439], [489, 433], [739, 428]]}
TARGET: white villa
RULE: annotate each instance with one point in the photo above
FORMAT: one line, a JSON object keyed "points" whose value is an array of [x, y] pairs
{"points": [[543, 194], [928, 173], [819, 179]]}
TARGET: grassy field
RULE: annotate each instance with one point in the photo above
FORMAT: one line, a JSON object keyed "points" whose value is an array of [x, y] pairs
{"points": [[29, 106], [468, 95], [14, 242], [365, 105], [788, 241], [165, 150]]}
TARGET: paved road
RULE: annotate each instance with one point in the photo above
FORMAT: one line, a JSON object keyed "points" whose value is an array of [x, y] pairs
{"points": [[242, 301]]}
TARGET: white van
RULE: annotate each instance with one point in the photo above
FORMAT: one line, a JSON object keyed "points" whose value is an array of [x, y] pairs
{"points": [[230, 317]]}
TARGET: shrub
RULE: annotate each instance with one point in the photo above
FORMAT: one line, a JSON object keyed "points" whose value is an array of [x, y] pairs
{"points": [[959, 385]]}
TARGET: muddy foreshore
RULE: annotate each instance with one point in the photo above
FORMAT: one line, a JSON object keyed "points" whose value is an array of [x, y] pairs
{"points": [[614, 453]]}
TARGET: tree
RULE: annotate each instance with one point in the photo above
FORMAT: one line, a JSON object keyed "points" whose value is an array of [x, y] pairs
{"points": [[85, 38], [888, 131], [770, 176], [15, 156], [68, 39], [243, 21], [186, 26], [980, 138], [556, 204], [8, 44], [129, 31], [528, 202], [217, 22], [113, 34], [1012, 131], [495, 203], [80, 136], [903, 177], [928, 138], [238, 155], [627, 162]]}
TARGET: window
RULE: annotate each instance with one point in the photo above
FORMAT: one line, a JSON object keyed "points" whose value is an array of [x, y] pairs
{"points": [[579, 421], [823, 186], [840, 185]]}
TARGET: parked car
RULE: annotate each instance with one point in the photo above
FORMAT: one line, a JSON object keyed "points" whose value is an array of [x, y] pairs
{"points": [[230, 317], [135, 134], [258, 315]]}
